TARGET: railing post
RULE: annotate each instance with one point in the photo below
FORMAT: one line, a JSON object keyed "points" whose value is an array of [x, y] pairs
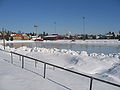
{"points": [[35, 63], [22, 62], [53, 68], [44, 70], [91, 82], [11, 58], [19, 57]]}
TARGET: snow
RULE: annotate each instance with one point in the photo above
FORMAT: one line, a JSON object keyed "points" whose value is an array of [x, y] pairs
{"points": [[15, 78], [104, 66], [108, 42], [103, 41]]}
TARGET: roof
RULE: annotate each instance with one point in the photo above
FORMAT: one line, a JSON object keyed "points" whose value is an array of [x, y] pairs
{"points": [[52, 35]]}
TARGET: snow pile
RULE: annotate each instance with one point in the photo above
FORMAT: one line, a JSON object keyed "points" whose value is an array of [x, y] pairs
{"points": [[114, 72], [93, 64]]}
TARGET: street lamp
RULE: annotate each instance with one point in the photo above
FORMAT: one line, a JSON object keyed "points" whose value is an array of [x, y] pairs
{"points": [[55, 26], [36, 34], [84, 28], [3, 34], [36, 43], [36, 30]]}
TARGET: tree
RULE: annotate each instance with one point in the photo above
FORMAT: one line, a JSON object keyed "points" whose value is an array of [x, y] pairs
{"points": [[7, 38], [113, 35], [11, 38]]}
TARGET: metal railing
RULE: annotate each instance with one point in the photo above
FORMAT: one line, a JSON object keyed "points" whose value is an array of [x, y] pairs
{"points": [[45, 64]]}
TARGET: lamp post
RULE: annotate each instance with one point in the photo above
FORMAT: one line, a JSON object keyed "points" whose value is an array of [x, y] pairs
{"points": [[36, 43], [36, 30], [55, 26], [36, 34], [84, 28], [3, 34]]}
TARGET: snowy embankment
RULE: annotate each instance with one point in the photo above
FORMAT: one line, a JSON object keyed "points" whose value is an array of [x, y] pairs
{"points": [[99, 65]]}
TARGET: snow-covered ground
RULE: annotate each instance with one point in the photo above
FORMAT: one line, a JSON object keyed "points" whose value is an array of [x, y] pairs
{"points": [[103, 41], [103, 66]]}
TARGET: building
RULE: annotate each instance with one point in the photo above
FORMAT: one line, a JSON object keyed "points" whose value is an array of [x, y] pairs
{"points": [[52, 37], [19, 36], [0, 35]]}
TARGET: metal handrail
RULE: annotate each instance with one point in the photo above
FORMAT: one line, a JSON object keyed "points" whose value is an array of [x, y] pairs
{"points": [[46, 63]]}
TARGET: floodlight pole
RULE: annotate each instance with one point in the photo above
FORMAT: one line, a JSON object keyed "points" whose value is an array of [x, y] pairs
{"points": [[36, 43], [84, 28], [55, 26], [36, 33], [36, 30], [3, 38]]}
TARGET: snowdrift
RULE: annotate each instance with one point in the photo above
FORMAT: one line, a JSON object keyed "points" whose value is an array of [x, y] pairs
{"points": [[99, 65]]}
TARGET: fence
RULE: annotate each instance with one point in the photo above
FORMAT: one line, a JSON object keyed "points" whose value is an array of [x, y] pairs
{"points": [[45, 64]]}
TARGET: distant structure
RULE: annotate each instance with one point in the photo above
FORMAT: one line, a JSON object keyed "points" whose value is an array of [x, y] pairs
{"points": [[19, 36], [52, 37]]}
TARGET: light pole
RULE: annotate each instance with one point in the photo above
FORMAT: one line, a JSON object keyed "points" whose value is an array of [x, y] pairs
{"points": [[84, 28], [36, 26], [36, 30], [3, 34], [36, 35], [55, 26]]}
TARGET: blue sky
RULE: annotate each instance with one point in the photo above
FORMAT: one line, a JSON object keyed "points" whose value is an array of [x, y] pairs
{"points": [[101, 16]]}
